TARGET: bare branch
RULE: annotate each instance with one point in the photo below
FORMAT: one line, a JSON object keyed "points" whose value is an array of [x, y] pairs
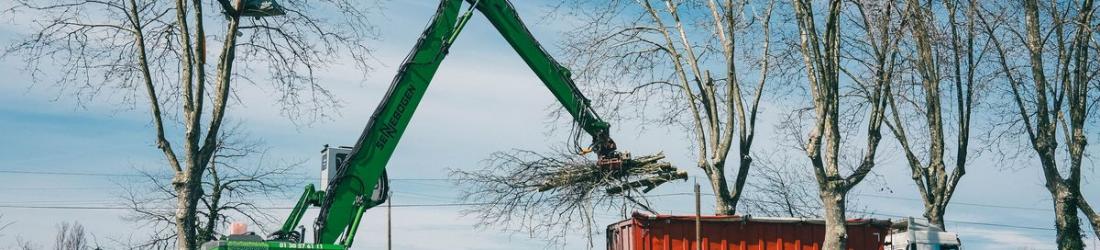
{"points": [[548, 195]]}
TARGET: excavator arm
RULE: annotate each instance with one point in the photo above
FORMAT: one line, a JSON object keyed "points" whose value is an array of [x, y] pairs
{"points": [[348, 195], [555, 76], [341, 208]]}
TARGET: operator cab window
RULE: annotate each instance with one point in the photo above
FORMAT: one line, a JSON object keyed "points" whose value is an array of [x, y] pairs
{"points": [[340, 159]]}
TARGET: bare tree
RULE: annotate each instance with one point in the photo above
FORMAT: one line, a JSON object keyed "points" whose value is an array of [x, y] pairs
{"points": [[702, 64], [239, 176], [4, 224], [19, 242], [157, 51], [22, 244], [873, 53], [780, 188], [784, 188], [71, 236], [950, 60], [1050, 67]]}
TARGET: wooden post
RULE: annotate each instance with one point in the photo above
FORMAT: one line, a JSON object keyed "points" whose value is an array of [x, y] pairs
{"points": [[698, 222]]}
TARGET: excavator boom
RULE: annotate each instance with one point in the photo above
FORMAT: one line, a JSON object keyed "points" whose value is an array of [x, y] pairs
{"points": [[357, 178], [344, 201]]}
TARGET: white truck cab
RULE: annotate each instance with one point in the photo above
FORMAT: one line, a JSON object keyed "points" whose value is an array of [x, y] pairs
{"points": [[911, 234]]}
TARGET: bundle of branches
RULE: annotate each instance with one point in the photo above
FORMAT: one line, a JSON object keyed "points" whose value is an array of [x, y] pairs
{"points": [[550, 193], [647, 171]]}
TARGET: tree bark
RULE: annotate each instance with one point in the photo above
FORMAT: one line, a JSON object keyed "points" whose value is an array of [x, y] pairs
{"points": [[1093, 217], [189, 193], [934, 215], [724, 204], [1066, 220], [836, 230]]}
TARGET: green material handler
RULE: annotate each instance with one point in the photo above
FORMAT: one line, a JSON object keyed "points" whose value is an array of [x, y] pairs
{"points": [[353, 189]]}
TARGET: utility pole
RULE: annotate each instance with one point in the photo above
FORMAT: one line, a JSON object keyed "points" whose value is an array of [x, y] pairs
{"points": [[698, 220], [389, 222]]}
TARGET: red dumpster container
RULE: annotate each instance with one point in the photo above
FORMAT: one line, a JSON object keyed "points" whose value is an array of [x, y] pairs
{"points": [[674, 232]]}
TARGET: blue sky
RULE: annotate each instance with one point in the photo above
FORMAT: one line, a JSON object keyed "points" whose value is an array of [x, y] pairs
{"points": [[483, 100]]}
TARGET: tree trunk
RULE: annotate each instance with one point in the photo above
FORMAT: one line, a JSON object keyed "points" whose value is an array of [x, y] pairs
{"points": [[935, 216], [189, 193], [724, 204], [742, 175], [836, 231], [1066, 221]]}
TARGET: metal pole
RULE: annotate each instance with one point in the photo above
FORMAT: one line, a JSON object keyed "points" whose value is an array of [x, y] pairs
{"points": [[389, 220], [698, 218]]}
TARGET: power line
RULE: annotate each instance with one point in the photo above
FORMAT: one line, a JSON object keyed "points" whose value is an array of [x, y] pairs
{"points": [[411, 195], [424, 196], [473, 204], [57, 188], [961, 203], [63, 207], [427, 179], [903, 198], [489, 203], [166, 176], [68, 173], [65, 202], [959, 221], [899, 216], [32, 188], [167, 208], [448, 179]]}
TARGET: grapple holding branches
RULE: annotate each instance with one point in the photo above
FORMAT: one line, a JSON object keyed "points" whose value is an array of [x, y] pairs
{"points": [[646, 171], [552, 193]]}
